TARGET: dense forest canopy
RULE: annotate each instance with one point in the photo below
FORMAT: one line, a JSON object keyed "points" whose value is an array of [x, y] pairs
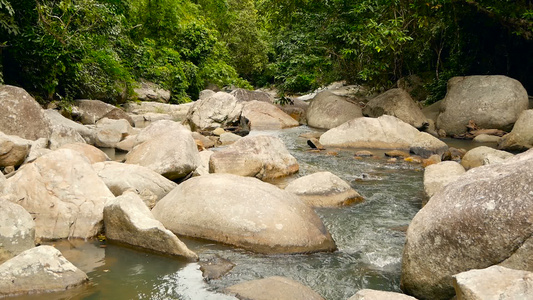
{"points": [[100, 49]]}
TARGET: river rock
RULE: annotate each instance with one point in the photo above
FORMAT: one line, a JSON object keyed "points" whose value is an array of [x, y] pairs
{"points": [[328, 110], [264, 157], [110, 132], [39, 270], [437, 176], [203, 140], [158, 128], [63, 193], [297, 109], [385, 132], [60, 123], [248, 96], [483, 155], [472, 223], [494, 283], [276, 287], [91, 111], [149, 91], [215, 267], [120, 177], [493, 102], [244, 212], [178, 112], [266, 116], [367, 294], [93, 154], [398, 103], [324, 189], [13, 150], [17, 229], [221, 109], [128, 220], [173, 155], [17, 108], [229, 138], [521, 137], [486, 138]]}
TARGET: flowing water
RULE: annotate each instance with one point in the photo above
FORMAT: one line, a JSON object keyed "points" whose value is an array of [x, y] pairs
{"points": [[369, 236]]}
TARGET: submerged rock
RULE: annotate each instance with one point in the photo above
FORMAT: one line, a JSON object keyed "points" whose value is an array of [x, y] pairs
{"points": [[276, 287], [244, 212], [215, 267], [17, 229]]}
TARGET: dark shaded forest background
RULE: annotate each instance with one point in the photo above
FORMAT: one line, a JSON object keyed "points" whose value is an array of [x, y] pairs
{"points": [[100, 49]]}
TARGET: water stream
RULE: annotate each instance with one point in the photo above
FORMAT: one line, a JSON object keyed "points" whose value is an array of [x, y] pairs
{"points": [[369, 236]]}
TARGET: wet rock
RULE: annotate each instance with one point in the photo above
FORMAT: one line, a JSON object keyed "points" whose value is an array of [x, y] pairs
{"points": [[385, 132], [314, 143], [364, 153], [483, 155], [266, 116], [328, 110], [173, 155], [16, 108], [521, 137], [367, 294], [17, 229], [490, 101], [276, 287], [13, 150], [437, 176], [264, 157], [120, 178], [128, 220], [472, 223], [93, 154], [398, 103], [219, 110], [110, 132], [91, 111], [397, 154], [63, 193], [244, 212], [215, 268], [494, 283], [324, 189], [149, 91], [39, 270]]}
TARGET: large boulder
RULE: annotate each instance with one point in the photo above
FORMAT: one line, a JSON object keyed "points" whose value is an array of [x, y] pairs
{"points": [[110, 132], [120, 178], [149, 91], [296, 108], [437, 176], [175, 111], [128, 220], [247, 96], [173, 155], [324, 189], [483, 155], [490, 101], [93, 154], [158, 128], [398, 103], [91, 111], [367, 294], [21, 115], [276, 287], [63, 193], [17, 230], [328, 110], [39, 270], [494, 283], [385, 132], [67, 131], [244, 212], [521, 137], [264, 157], [219, 110], [13, 150], [266, 116], [473, 223]]}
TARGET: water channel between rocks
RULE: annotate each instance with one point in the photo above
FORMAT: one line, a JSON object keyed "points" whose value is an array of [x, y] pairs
{"points": [[369, 236]]}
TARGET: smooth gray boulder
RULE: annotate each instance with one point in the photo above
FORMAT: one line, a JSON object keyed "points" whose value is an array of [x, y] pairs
{"points": [[39, 270], [328, 110], [173, 155], [128, 220], [483, 155], [69, 129], [398, 103], [17, 229], [119, 178], [385, 132], [486, 138], [324, 189], [492, 102], [229, 138], [494, 283], [478, 221], [368, 294], [149, 91], [266, 116], [93, 154], [158, 128], [221, 109], [145, 108], [521, 137], [110, 132], [264, 157], [244, 212], [91, 111], [16, 108], [13, 150], [63, 193], [275, 287], [437, 176], [38, 148]]}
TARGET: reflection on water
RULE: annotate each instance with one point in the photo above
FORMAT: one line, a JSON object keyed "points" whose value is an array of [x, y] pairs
{"points": [[367, 236]]}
